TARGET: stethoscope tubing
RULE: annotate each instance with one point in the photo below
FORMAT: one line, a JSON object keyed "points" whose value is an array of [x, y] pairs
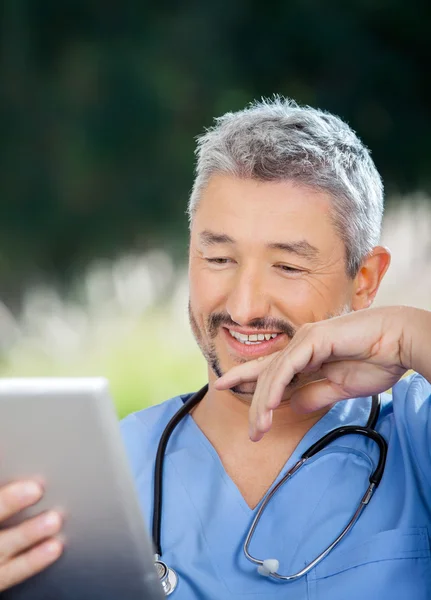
{"points": [[317, 447], [375, 478], [158, 467]]}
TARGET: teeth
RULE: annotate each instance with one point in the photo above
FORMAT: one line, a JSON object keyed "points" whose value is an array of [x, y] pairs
{"points": [[255, 338]]}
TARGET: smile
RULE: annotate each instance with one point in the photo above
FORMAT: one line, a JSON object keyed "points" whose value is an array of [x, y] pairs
{"points": [[255, 338]]}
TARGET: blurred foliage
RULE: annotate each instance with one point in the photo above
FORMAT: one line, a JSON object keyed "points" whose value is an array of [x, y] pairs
{"points": [[146, 365], [126, 320], [100, 102]]}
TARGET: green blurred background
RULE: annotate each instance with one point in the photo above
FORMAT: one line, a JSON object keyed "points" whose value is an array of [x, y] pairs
{"points": [[100, 103]]}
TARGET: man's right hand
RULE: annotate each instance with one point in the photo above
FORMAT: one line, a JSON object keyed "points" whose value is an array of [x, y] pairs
{"points": [[29, 547]]}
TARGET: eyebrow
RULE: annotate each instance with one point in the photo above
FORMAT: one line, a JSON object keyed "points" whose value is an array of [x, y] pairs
{"points": [[301, 248], [210, 238]]}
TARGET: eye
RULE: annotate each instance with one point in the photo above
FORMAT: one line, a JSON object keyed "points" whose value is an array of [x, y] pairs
{"points": [[289, 269], [218, 260]]}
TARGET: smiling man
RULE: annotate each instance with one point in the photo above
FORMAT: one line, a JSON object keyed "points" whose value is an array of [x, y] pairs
{"points": [[285, 262]]}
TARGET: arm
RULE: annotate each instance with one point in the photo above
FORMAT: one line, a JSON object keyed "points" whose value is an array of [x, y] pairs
{"points": [[416, 342], [359, 354]]}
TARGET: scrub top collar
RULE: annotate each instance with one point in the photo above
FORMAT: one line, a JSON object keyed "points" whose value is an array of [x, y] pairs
{"points": [[354, 411]]}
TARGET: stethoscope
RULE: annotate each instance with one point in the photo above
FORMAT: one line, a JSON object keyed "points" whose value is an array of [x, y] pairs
{"points": [[268, 567]]}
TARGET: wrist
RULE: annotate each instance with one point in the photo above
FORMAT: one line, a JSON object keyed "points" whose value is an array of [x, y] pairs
{"points": [[415, 342]]}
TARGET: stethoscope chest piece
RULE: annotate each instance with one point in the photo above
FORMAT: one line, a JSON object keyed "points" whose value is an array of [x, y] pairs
{"points": [[168, 578]]}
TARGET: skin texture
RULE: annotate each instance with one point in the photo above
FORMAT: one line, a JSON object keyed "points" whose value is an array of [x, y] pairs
{"points": [[251, 283], [265, 257]]}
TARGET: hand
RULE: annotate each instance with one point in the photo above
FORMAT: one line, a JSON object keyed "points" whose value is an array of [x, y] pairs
{"points": [[27, 548], [358, 354]]}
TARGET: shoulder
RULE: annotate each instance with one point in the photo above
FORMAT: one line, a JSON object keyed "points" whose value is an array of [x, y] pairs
{"points": [[411, 394], [141, 430], [415, 387], [409, 411], [412, 403]]}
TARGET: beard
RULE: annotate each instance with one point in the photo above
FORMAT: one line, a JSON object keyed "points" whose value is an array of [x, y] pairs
{"points": [[206, 342]]}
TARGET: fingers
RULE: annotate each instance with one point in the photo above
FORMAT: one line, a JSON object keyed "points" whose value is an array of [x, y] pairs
{"points": [[16, 496], [317, 395], [259, 424], [344, 353], [29, 563], [27, 548], [272, 384], [21, 537], [245, 373]]}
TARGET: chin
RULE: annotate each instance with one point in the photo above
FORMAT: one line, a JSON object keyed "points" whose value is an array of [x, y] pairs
{"points": [[245, 391]]}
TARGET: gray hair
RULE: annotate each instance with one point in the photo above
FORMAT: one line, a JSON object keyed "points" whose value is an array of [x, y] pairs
{"points": [[275, 140]]}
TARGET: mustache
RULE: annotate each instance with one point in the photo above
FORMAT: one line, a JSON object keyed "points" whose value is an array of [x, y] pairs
{"points": [[217, 320]]}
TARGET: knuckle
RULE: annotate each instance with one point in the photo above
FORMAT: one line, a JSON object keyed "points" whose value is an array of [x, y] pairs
{"points": [[26, 534], [17, 495], [11, 541], [307, 328], [39, 527]]}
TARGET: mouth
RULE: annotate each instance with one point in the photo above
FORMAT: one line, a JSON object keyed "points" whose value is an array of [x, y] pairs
{"points": [[254, 343]]}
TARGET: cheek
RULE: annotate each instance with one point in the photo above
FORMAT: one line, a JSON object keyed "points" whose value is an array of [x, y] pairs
{"points": [[311, 300], [299, 299], [206, 292]]}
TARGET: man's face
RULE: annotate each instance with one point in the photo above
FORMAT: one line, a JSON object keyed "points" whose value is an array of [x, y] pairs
{"points": [[265, 258]]}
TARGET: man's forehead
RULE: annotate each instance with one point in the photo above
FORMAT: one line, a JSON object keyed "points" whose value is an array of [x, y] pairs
{"points": [[230, 204], [277, 216], [224, 192]]}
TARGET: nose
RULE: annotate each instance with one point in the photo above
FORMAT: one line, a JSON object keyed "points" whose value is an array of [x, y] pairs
{"points": [[247, 299]]}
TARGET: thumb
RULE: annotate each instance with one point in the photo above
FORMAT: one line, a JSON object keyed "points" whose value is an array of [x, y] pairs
{"points": [[317, 395]]}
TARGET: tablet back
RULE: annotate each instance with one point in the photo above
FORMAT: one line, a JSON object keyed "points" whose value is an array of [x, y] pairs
{"points": [[65, 431]]}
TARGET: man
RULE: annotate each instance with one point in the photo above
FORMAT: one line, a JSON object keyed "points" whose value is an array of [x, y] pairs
{"points": [[285, 219]]}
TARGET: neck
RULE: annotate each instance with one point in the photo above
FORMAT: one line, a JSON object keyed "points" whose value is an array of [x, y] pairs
{"points": [[224, 417]]}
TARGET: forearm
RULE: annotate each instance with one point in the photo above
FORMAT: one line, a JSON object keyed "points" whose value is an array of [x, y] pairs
{"points": [[416, 341]]}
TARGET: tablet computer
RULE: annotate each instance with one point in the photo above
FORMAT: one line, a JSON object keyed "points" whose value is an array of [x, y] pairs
{"points": [[65, 432]]}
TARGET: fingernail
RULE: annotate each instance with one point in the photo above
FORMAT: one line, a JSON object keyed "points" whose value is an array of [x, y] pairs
{"points": [[253, 435], [53, 547], [219, 381], [50, 521], [263, 422], [27, 491]]}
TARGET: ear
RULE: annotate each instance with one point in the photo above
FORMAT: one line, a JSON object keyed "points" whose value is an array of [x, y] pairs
{"points": [[369, 277]]}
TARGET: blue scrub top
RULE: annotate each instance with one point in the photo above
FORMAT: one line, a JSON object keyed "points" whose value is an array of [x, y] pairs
{"points": [[205, 519]]}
